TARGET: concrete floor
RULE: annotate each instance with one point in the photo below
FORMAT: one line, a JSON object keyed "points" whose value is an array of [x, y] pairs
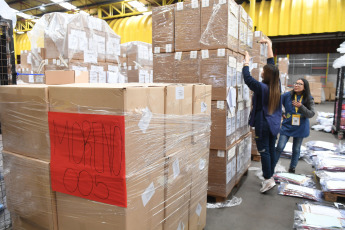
{"points": [[268, 211]]}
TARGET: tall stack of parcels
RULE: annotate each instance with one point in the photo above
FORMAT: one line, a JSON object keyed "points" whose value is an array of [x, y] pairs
{"points": [[205, 42], [106, 156], [315, 85]]}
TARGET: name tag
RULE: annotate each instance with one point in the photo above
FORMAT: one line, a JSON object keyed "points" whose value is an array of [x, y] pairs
{"points": [[296, 119]]}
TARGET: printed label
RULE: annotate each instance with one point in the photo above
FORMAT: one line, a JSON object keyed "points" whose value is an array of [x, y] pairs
{"points": [[195, 4], [205, 3], [228, 172], [193, 54], [179, 6], [221, 153], [157, 50], [179, 93], [203, 107], [204, 54], [145, 120], [232, 62], [176, 168], [221, 52], [239, 66], [148, 194], [220, 105], [178, 56], [222, 2], [31, 79], [202, 164], [168, 48], [90, 56], [93, 77], [231, 153], [198, 209]]}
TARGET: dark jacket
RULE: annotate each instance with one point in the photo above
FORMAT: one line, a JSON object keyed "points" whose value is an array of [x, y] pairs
{"points": [[260, 104]]}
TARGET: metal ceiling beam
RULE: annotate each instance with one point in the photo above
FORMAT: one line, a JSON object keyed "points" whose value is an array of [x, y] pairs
{"points": [[308, 37]]}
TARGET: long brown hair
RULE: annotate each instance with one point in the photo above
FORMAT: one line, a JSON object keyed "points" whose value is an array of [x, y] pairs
{"points": [[271, 78]]}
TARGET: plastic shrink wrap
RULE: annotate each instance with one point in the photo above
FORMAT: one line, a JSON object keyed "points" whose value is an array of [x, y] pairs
{"points": [[299, 191], [163, 29], [311, 221], [219, 25], [105, 156], [243, 30]]}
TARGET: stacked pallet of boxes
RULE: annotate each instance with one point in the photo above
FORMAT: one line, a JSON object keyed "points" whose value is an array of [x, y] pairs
{"points": [[199, 42], [283, 65], [315, 85], [73, 42], [106, 156]]}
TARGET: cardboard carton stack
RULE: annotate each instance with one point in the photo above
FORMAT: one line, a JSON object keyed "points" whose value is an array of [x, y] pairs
{"points": [[132, 158], [315, 87], [283, 65], [206, 45], [329, 91]]}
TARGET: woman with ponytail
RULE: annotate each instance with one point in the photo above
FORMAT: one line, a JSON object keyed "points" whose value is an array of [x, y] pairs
{"points": [[299, 107], [266, 113]]}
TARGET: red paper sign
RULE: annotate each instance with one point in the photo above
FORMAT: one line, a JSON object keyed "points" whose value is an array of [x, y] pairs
{"points": [[88, 156]]}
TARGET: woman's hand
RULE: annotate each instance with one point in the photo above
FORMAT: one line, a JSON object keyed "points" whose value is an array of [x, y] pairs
{"points": [[284, 117], [296, 104], [246, 59], [266, 41]]}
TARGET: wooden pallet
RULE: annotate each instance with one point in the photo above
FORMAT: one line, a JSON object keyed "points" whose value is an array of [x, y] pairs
{"points": [[256, 158], [333, 197]]}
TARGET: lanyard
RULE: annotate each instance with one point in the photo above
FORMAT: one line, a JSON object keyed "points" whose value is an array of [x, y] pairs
{"points": [[296, 108]]}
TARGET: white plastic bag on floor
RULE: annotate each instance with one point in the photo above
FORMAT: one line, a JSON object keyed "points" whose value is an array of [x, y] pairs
{"points": [[235, 201]]}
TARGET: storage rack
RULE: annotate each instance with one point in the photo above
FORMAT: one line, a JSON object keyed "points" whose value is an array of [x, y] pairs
{"points": [[338, 125]]}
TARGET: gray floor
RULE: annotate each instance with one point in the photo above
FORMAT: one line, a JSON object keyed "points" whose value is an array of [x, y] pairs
{"points": [[268, 211]]}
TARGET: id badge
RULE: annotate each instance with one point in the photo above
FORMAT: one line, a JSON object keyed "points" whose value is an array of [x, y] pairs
{"points": [[296, 118]]}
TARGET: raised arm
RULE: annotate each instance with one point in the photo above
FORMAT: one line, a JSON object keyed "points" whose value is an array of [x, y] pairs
{"points": [[270, 57], [253, 84]]}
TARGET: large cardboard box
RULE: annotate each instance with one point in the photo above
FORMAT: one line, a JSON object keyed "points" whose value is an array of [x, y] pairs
{"points": [[222, 171], [141, 74], [259, 51], [243, 30], [143, 211], [24, 120], [283, 65], [219, 25], [187, 67], [315, 89], [138, 54], [218, 69], [327, 93], [187, 26], [164, 68], [59, 77], [243, 155], [223, 128], [163, 29], [329, 84], [313, 78], [30, 198]]}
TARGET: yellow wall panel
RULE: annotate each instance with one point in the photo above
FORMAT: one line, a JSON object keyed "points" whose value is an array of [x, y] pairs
{"points": [[22, 43], [292, 17]]}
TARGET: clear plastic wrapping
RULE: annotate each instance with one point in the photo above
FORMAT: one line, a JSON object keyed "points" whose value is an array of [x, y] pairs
{"points": [[330, 163], [330, 175], [187, 66], [219, 25], [162, 166], [187, 26], [311, 221], [321, 146], [299, 191], [243, 30], [292, 178], [163, 29], [321, 209], [243, 156], [164, 68], [333, 185]]}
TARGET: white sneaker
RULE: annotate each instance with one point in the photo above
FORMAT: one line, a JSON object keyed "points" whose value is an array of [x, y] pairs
{"points": [[267, 185]]}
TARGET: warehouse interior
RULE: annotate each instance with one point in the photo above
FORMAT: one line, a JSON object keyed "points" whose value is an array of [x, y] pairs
{"points": [[127, 115]]}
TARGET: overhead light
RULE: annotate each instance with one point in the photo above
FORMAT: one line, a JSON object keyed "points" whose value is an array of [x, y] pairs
{"points": [[139, 6], [42, 8], [65, 5], [19, 32]]}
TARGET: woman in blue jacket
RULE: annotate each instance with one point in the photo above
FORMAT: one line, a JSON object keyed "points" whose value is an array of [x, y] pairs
{"points": [[299, 107], [266, 113]]}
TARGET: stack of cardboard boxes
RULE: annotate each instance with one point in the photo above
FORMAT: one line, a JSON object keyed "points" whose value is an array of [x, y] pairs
{"points": [[200, 43], [283, 65], [329, 91], [159, 146], [315, 87]]}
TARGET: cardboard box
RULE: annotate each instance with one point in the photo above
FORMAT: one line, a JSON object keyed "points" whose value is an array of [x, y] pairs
{"points": [[187, 67], [223, 128], [332, 96], [283, 65], [312, 78], [217, 69], [28, 123], [202, 99], [259, 51], [317, 99], [327, 94], [329, 84], [138, 54], [250, 34], [243, 155], [30, 198], [25, 58], [60, 77], [187, 26], [315, 89], [164, 68], [243, 30], [163, 29], [141, 143], [141, 74], [79, 214], [222, 171], [257, 71], [112, 47], [219, 27], [76, 42], [51, 48]]}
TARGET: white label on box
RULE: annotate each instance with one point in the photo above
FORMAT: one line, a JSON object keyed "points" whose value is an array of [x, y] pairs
{"points": [[257, 33], [46, 62], [178, 56], [93, 77], [102, 77], [97, 68], [232, 62], [176, 168], [39, 50], [246, 93], [231, 153], [58, 62], [205, 3], [179, 93], [148, 194], [135, 67], [202, 164], [221, 52], [228, 126], [228, 172], [73, 41], [203, 107], [145, 120], [233, 162], [220, 105], [193, 54], [25, 51], [147, 77], [141, 76], [239, 66], [113, 68], [124, 55], [39, 79], [157, 50], [90, 56], [222, 2], [129, 67], [28, 58], [112, 77], [179, 6], [204, 54], [255, 65], [122, 79], [54, 61], [31, 79], [221, 153], [195, 4], [181, 226], [234, 8], [198, 209]]}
